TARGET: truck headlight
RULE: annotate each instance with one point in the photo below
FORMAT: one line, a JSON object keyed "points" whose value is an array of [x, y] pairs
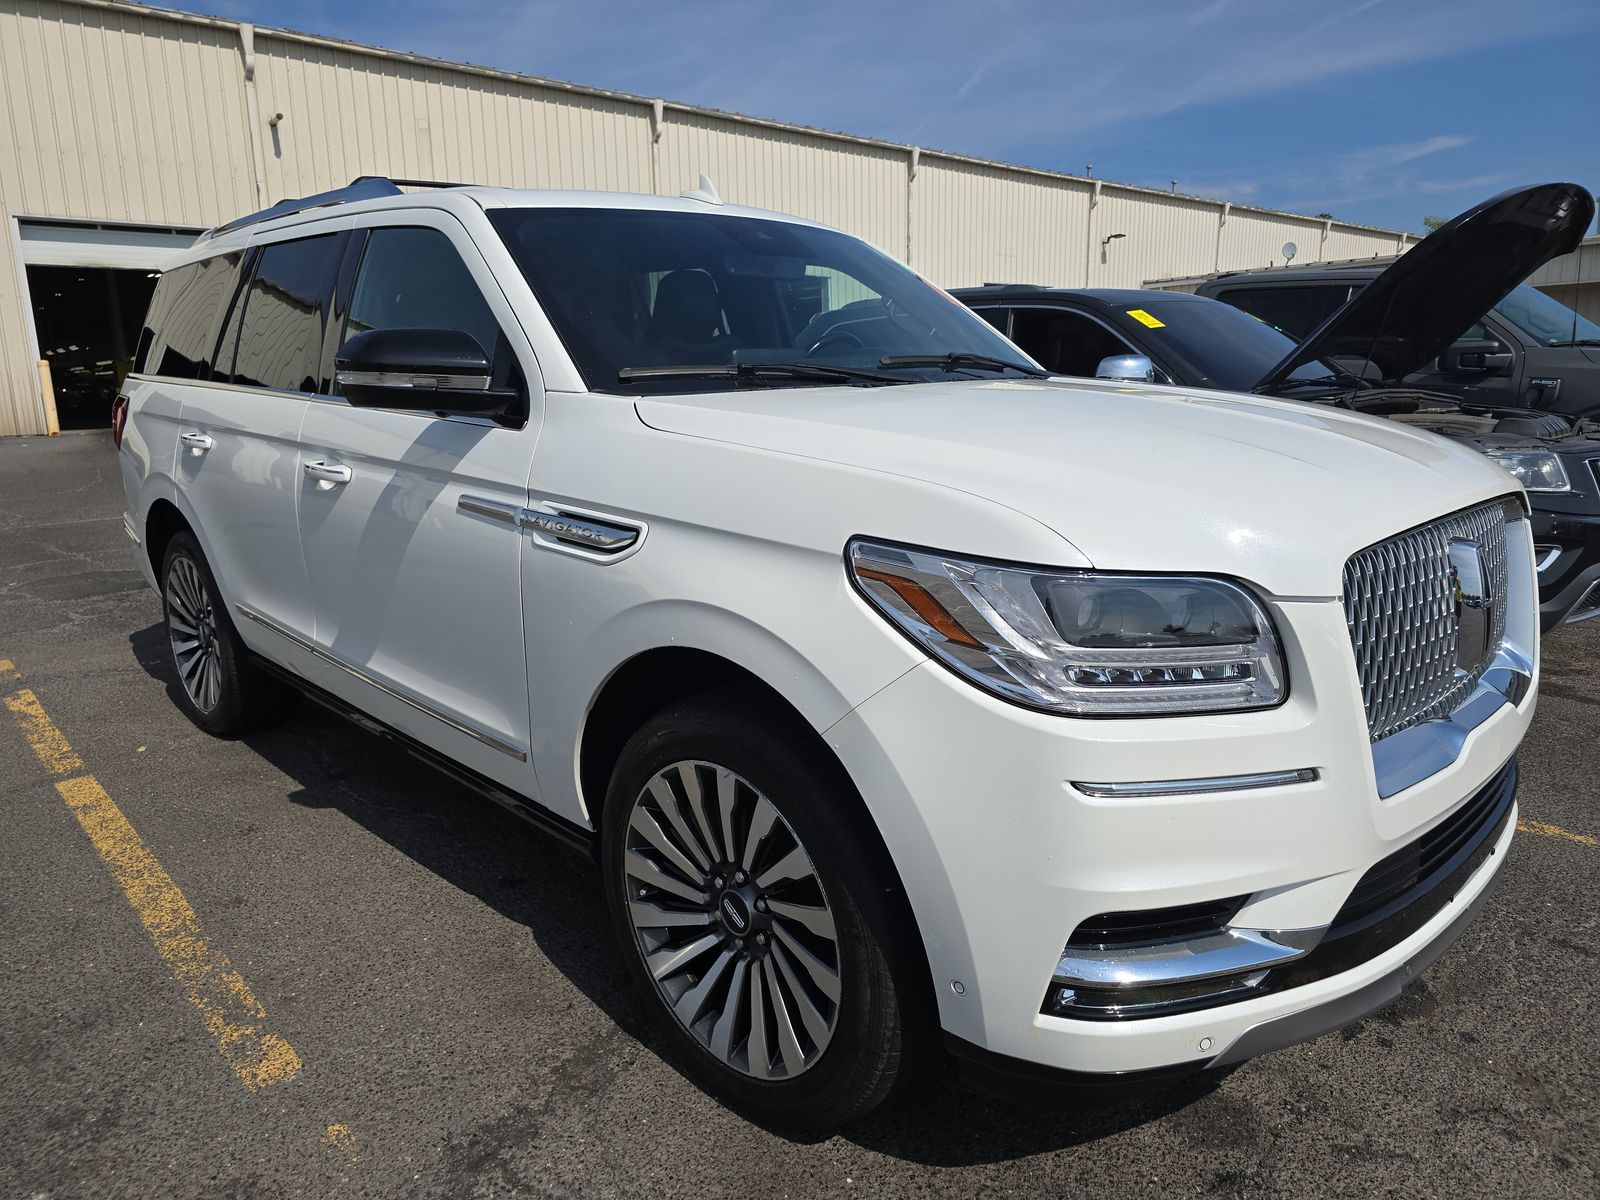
{"points": [[1535, 470], [1086, 643]]}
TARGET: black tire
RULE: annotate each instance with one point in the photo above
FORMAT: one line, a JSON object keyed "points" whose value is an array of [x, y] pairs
{"points": [[856, 1069], [218, 687]]}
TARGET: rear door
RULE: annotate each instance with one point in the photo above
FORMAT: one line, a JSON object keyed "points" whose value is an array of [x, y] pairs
{"points": [[418, 598], [237, 441]]}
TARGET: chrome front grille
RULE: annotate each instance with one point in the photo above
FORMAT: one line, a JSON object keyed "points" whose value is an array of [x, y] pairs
{"points": [[1400, 603]]}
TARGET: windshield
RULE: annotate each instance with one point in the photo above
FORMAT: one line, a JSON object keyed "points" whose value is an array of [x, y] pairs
{"points": [[1222, 346], [628, 289], [1544, 318]]}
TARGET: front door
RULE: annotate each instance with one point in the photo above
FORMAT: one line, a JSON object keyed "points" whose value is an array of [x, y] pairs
{"points": [[418, 599], [1494, 376]]}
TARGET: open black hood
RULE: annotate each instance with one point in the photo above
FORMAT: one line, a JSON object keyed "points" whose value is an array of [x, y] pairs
{"points": [[1435, 291]]}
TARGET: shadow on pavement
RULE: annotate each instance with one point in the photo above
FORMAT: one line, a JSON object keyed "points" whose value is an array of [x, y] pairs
{"points": [[484, 851]]}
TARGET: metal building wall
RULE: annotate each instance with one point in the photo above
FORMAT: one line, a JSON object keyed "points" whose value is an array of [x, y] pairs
{"points": [[107, 115], [347, 114], [854, 186], [972, 224], [118, 113]]}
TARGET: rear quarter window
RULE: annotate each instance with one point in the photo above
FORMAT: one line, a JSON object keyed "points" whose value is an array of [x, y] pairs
{"points": [[180, 331]]}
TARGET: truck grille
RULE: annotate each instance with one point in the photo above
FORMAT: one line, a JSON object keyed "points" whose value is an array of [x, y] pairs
{"points": [[1399, 601]]}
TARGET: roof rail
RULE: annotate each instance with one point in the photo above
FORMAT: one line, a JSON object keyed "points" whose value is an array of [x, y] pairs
{"points": [[367, 187], [417, 183]]}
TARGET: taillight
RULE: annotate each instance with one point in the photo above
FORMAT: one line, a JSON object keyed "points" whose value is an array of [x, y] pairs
{"points": [[119, 418]]}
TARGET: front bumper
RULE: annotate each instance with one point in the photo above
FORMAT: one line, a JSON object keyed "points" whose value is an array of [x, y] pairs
{"points": [[1002, 857], [1018, 1079], [1573, 571]]}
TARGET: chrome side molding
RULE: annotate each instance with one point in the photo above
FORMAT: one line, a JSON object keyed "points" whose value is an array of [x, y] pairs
{"points": [[509, 749], [1194, 787], [428, 380], [598, 536]]}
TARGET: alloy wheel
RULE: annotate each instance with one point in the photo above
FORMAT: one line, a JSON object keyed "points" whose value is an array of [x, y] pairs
{"points": [[732, 921], [192, 628]]}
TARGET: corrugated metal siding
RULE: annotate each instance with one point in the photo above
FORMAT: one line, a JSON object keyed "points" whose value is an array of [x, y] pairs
{"points": [[109, 115], [122, 114], [972, 224], [1156, 229], [1252, 239], [860, 189], [348, 114]]}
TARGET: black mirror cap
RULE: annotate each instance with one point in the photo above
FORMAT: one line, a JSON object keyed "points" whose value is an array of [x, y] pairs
{"points": [[426, 370]]}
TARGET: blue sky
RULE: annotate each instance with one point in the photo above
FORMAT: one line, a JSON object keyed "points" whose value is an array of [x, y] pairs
{"points": [[1378, 111]]}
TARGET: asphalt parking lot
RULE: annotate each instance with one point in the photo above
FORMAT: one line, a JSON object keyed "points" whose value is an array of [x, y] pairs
{"points": [[301, 965]]}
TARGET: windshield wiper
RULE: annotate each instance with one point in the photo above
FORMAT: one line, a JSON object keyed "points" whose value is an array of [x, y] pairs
{"points": [[958, 362], [1340, 379], [755, 372], [1577, 342]]}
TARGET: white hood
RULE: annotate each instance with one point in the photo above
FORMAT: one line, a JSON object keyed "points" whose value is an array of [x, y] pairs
{"points": [[1135, 477]]}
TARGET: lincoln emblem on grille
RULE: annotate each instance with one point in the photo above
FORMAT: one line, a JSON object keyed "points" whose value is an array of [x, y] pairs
{"points": [[1474, 604]]}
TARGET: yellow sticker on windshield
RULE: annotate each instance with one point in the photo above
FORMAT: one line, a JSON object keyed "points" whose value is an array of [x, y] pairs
{"points": [[1144, 318]]}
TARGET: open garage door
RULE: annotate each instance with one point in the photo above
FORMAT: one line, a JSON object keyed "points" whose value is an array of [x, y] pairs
{"points": [[89, 285]]}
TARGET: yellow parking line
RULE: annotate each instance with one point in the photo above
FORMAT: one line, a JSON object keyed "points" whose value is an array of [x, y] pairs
{"points": [[53, 749], [1555, 831], [231, 1013]]}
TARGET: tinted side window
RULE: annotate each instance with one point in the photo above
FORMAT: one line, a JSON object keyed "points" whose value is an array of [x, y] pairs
{"points": [[181, 330], [1064, 342], [413, 278], [285, 307], [998, 317], [1295, 310]]}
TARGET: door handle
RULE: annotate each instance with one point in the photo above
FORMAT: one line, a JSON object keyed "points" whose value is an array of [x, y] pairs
{"points": [[198, 442], [326, 472]]}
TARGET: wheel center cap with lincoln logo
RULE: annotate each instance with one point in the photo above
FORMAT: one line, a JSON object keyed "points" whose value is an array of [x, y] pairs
{"points": [[735, 913]]}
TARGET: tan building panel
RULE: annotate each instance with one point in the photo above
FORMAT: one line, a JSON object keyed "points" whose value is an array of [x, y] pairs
{"points": [[851, 186], [974, 224]]}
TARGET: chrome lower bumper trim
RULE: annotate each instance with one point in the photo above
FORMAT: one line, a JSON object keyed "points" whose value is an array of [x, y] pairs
{"points": [[127, 528], [1192, 787], [1227, 952], [509, 749], [1412, 755], [1591, 594]]}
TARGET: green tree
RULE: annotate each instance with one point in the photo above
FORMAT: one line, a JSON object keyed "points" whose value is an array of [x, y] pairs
{"points": [[1434, 222]]}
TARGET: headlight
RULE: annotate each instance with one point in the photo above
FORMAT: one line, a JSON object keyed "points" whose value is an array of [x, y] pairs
{"points": [[1535, 470], [1079, 642]]}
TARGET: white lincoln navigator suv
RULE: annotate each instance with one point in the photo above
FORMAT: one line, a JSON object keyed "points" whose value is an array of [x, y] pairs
{"points": [[904, 696]]}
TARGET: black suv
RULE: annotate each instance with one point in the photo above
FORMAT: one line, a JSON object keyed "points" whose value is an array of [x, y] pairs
{"points": [[1373, 353]]}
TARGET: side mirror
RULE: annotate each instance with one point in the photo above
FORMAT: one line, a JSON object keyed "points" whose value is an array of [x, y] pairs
{"points": [[1135, 368], [1474, 356], [426, 370]]}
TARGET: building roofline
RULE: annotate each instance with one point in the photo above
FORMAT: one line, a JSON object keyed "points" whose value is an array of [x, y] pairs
{"points": [[649, 102]]}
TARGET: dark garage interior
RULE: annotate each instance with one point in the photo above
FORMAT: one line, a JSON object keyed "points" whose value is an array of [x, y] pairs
{"points": [[87, 320]]}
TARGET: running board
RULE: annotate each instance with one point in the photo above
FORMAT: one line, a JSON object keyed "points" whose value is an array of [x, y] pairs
{"points": [[570, 834]]}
